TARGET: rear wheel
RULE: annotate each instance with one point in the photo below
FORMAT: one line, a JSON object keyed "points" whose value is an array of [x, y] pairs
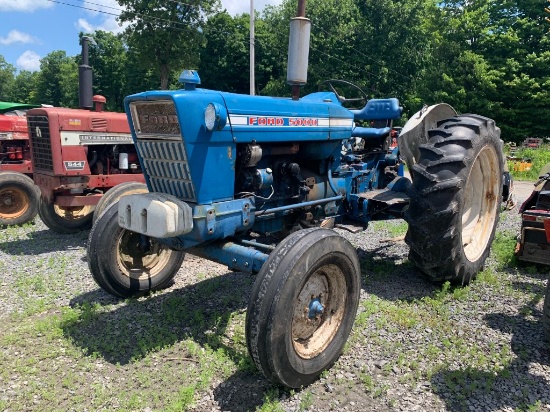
{"points": [[455, 198], [61, 219], [115, 193], [125, 263], [302, 306], [19, 198]]}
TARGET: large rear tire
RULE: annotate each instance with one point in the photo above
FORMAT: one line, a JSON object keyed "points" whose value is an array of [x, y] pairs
{"points": [[62, 219], [115, 193], [303, 306], [125, 263], [455, 197], [19, 198]]}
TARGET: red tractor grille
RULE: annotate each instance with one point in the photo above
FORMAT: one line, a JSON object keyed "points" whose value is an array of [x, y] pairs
{"points": [[39, 130]]}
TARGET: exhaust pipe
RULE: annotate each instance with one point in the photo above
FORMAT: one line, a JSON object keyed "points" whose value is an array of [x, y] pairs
{"points": [[85, 92]]}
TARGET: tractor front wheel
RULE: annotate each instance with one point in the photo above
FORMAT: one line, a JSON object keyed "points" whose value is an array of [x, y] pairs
{"points": [[302, 306], [61, 219], [125, 263], [455, 197], [115, 193], [19, 198]]}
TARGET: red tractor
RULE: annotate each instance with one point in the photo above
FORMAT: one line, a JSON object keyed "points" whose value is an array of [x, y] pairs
{"points": [[79, 154], [534, 240], [18, 194]]}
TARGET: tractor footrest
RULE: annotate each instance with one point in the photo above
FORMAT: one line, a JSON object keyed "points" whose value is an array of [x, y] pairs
{"points": [[387, 196], [350, 227]]}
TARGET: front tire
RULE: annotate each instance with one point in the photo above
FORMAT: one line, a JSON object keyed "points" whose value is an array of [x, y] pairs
{"points": [[115, 193], [60, 219], [19, 198], [125, 263], [455, 198], [289, 339]]}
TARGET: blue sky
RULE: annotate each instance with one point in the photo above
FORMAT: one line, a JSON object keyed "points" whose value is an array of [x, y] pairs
{"points": [[30, 29]]}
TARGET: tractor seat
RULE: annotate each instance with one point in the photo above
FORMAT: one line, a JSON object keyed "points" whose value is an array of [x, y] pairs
{"points": [[370, 132], [380, 112]]}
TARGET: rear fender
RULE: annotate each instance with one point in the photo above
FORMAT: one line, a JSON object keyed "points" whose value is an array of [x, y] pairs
{"points": [[415, 131]]}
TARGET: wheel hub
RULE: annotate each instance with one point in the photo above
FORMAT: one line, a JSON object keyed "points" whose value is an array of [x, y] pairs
{"points": [[318, 311], [13, 203], [140, 258], [73, 212]]}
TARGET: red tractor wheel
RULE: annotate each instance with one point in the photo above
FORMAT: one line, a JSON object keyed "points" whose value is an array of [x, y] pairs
{"points": [[65, 219], [18, 199]]}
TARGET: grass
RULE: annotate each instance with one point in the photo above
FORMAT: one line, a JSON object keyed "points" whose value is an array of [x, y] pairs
{"points": [[539, 157], [394, 228], [169, 351]]}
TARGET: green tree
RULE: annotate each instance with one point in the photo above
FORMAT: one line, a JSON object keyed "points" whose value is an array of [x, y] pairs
{"points": [[138, 78], [492, 57], [166, 36], [57, 81], [225, 58], [380, 45], [24, 90], [458, 72], [224, 61], [7, 77], [108, 59], [519, 48]]}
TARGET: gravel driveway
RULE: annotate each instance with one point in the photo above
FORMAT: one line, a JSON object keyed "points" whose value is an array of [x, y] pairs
{"points": [[416, 346]]}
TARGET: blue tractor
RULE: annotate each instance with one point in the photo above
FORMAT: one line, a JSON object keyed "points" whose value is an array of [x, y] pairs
{"points": [[225, 170]]}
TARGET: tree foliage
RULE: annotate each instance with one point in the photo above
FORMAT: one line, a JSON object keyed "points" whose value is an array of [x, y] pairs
{"points": [[108, 59], [7, 78], [57, 81], [166, 36]]}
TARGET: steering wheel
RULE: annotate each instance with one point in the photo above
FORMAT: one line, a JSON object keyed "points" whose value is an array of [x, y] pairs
{"points": [[343, 99]]}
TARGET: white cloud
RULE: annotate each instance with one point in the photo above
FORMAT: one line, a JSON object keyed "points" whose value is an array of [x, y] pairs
{"points": [[16, 36], [84, 25], [106, 12], [235, 7], [25, 5], [28, 61]]}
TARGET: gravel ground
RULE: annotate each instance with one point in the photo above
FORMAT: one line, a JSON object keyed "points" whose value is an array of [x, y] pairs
{"points": [[413, 348]]}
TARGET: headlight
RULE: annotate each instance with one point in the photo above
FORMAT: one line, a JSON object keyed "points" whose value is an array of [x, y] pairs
{"points": [[215, 117]]}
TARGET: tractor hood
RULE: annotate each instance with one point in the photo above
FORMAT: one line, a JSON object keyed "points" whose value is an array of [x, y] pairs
{"points": [[201, 129]]}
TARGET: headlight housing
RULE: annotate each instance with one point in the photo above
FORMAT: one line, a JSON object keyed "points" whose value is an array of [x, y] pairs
{"points": [[215, 117]]}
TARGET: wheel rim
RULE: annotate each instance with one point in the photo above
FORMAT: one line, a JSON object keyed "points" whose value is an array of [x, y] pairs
{"points": [[480, 203], [133, 262], [73, 212], [13, 203], [311, 336]]}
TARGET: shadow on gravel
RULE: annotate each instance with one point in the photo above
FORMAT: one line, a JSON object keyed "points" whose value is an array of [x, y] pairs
{"points": [[45, 241], [515, 387], [242, 392], [391, 276], [95, 297], [129, 332], [200, 312]]}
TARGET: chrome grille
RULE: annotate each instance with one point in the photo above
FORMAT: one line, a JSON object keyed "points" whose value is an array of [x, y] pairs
{"points": [[165, 162], [41, 144]]}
